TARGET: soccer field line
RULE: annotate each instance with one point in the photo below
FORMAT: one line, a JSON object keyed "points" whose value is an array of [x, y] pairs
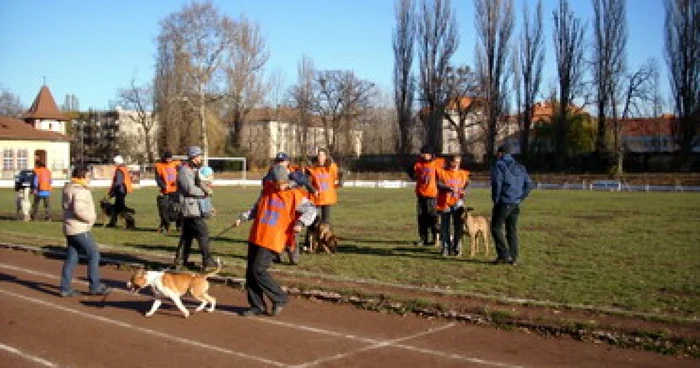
{"points": [[373, 343]]}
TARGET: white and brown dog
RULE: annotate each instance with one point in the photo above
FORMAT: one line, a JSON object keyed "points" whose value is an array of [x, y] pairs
{"points": [[23, 204], [174, 285]]}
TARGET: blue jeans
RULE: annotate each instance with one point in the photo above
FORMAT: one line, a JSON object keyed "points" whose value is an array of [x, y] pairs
{"points": [[82, 242]]}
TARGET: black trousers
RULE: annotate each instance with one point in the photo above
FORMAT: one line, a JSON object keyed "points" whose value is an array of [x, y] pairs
{"points": [[451, 245], [258, 280], [506, 246], [47, 206], [194, 228], [427, 218]]}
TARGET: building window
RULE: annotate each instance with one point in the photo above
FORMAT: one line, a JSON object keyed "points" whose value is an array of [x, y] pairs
{"points": [[22, 159], [8, 159]]}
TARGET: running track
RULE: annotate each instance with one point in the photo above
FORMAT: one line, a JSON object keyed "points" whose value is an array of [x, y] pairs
{"points": [[41, 329]]}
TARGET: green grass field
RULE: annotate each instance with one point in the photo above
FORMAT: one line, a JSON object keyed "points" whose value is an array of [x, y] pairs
{"points": [[632, 251]]}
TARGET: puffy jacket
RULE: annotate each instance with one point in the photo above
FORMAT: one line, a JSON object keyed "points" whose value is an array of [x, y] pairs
{"points": [[189, 190], [78, 209], [510, 183]]}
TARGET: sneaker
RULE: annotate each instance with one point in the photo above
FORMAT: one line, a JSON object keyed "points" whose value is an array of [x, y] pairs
{"points": [[277, 309], [251, 312], [102, 290], [69, 293]]}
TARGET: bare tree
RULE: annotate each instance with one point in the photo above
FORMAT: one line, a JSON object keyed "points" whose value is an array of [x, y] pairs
{"points": [[10, 104], [304, 102], [683, 60], [341, 99], [196, 42], [609, 48], [638, 91], [246, 87], [531, 60], [140, 100], [568, 45], [463, 111], [437, 43], [404, 40], [494, 25]]}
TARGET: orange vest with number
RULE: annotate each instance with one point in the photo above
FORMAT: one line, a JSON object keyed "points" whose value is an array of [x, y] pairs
{"points": [[167, 172], [425, 173], [127, 178], [274, 218], [323, 179], [43, 176], [455, 179]]}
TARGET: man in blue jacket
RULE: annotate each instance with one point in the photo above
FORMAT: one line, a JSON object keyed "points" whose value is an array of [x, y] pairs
{"points": [[510, 185]]}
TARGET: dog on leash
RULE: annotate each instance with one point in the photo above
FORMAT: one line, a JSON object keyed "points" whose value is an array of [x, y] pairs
{"points": [[478, 229], [174, 285], [323, 238], [23, 204], [126, 215]]}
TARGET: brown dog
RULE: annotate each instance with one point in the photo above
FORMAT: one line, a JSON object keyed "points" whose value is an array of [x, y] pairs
{"points": [[174, 285], [477, 228], [322, 238]]}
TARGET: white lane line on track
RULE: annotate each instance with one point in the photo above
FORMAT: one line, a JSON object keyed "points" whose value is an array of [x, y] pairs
{"points": [[362, 339], [33, 358], [387, 343], [145, 330]]}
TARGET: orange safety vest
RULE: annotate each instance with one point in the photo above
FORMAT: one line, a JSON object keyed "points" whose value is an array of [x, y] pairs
{"points": [[127, 178], [425, 173], [43, 176], [455, 179], [324, 179], [167, 172], [274, 220]]}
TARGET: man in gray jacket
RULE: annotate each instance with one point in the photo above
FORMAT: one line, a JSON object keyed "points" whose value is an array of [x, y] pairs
{"points": [[193, 224]]}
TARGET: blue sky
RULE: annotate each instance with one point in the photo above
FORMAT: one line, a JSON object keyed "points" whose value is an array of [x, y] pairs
{"points": [[93, 48]]}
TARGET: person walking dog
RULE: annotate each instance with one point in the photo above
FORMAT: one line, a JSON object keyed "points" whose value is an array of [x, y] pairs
{"points": [[510, 185], [279, 213]]}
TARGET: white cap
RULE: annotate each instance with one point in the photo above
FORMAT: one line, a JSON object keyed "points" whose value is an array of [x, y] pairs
{"points": [[118, 160]]}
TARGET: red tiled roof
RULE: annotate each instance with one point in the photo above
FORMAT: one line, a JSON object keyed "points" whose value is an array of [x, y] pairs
{"points": [[14, 129], [44, 107], [644, 127]]}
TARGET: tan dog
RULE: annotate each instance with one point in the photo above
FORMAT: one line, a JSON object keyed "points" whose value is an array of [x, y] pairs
{"points": [[477, 228], [174, 285], [322, 238]]}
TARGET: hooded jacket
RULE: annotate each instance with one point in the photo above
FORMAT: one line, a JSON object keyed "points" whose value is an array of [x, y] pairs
{"points": [[510, 183]]}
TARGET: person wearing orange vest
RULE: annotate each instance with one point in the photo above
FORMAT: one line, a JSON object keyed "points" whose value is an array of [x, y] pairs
{"points": [[42, 190], [121, 187], [325, 178], [296, 178], [168, 198], [452, 183], [425, 174], [278, 213]]}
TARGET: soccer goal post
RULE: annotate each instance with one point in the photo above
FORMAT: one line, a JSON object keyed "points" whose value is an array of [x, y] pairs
{"points": [[226, 167]]}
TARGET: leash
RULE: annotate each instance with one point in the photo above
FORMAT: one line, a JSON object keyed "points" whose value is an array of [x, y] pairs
{"points": [[223, 231]]}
